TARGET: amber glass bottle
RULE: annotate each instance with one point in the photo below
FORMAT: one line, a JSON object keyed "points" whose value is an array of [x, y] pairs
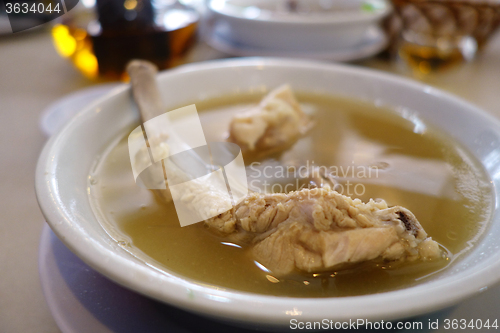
{"points": [[101, 37]]}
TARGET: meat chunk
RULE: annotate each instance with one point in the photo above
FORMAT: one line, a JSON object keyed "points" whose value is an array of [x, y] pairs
{"points": [[319, 229], [278, 121]]}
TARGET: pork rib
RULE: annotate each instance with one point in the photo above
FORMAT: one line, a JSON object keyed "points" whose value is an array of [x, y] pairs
{"points": [[277, 122], [320, 229]]}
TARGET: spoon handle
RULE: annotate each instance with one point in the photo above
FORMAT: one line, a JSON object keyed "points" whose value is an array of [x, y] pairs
{"points": [[144, 88]]}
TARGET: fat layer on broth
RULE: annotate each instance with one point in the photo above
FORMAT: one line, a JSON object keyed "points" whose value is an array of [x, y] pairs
{"points": [[374, 152]]}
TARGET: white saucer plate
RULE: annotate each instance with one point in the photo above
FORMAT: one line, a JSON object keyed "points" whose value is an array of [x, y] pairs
{"points": [[57, 114], [373, 42], [82, 300]]}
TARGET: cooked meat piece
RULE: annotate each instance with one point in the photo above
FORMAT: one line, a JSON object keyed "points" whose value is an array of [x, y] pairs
{"points": [[278, 121], [319, 229]]}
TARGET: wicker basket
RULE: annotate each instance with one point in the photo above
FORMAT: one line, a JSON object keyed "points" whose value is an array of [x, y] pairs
{"points": [[476, 18]]}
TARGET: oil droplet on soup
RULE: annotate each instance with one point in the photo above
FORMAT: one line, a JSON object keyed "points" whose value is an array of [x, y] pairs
{"points": [[374, 152]]}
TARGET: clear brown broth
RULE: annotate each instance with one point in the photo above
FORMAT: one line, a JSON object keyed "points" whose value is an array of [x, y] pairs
{"points": [[417, 168]]}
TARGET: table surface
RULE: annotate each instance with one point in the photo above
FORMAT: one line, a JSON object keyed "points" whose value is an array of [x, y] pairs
{"points": [[33, 76]]}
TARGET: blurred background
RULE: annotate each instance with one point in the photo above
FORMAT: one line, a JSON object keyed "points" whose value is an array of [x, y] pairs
{"points": [[57, 64]]}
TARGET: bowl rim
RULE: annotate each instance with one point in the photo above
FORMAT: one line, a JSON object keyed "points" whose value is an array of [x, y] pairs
{"points": [[243, 306], [351, 18]]}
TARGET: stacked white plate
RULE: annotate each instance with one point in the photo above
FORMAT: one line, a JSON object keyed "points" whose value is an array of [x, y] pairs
{"points": [[339, 30]]}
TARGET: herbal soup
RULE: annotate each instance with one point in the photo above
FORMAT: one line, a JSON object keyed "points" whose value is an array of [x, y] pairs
{"points": [[371, 152]]}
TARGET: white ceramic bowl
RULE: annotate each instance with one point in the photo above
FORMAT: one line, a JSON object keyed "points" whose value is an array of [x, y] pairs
{"points": [[64, 165], [258, 24]]}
